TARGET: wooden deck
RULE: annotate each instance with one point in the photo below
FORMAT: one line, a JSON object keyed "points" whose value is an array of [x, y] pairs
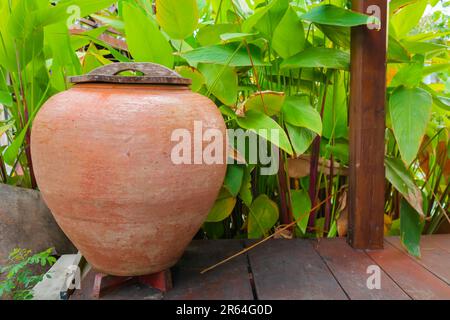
{"points": [[300, 270]]}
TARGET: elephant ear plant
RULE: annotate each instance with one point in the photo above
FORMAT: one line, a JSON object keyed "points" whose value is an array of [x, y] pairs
{"points": [[284, 65], [267, 64]]}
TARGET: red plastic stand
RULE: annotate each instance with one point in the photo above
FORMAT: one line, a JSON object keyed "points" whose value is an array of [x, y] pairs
{"points": [[104, 282]]}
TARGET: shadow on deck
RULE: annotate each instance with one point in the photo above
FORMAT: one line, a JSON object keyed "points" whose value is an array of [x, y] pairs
{"points": [[300, 270]]}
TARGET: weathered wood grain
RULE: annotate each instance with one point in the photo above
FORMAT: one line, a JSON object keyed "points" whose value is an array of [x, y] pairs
{"points": [[434, 255], [349, 267], [228, 282], [413, 278], [292, 270], [367, 126]]}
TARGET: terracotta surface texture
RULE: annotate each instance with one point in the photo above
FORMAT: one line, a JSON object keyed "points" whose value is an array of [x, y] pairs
{"points": [[102, 157]]}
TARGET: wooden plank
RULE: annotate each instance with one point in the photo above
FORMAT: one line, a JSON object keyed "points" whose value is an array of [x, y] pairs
{"points": [[230, 281], [434, 257], [349, 267], [441, 241], [292, 270], [415, 280], [367, 126]]}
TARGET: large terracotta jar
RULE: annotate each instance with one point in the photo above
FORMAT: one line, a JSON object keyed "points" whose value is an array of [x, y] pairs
{"points": [[102, 158]]}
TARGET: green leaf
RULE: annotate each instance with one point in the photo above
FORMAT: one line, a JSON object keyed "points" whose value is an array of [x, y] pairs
{"points": [[145, 42], [221, 81], [318, 57], [265, 127], [214, 230], [191, 73], [225, 55], [178, 18], [211, 34], [249, 23], [298, 111], [268, 102], [12, 152], [262, 217], [301, 206], [5, 128], [396, 51], [269, 22], [6, 98], [420, 47], [400, 178], [62, 11], [111, 21], [301, 138], [288, 37], [340, 151], [335, 16], [411, 227], [339, 35], [236, 36], [411, 74], [335, 116], [408, 17], [233, 179], [410, 111], [246, 188], [222, 208]]}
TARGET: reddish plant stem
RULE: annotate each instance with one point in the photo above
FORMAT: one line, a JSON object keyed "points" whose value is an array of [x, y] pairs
{"points": [[282, 186], [328, 205], [314, 167]]}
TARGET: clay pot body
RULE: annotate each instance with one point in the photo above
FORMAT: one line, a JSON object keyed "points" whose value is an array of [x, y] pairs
{"points": [[102, 159]]}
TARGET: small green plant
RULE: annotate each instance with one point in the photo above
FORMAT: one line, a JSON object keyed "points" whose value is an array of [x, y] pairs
{"points": [[22, 272]]}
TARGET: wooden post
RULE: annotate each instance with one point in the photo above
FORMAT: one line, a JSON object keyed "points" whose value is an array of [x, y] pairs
{"points": [[367, 129]]}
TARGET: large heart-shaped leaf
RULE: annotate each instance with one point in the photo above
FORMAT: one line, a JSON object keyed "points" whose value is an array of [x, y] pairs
{"points": [[400, 178], [145, 42], [269, 102], [224, 54], [335, 16], [288, 37], [211, 34], [233, 179], [223, 207], [178, 18], [335, 116], [191, 73], [265, 127], [301, 206], [301, 138], [298, 111], [262, 217], [221, 81], [410, 111], [317, 57]]}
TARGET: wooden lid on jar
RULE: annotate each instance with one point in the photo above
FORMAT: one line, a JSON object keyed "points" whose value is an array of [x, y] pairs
{"points": [[151, 74]]}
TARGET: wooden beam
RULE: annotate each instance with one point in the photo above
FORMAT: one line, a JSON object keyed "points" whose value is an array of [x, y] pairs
{"points": [[367, 129]]}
